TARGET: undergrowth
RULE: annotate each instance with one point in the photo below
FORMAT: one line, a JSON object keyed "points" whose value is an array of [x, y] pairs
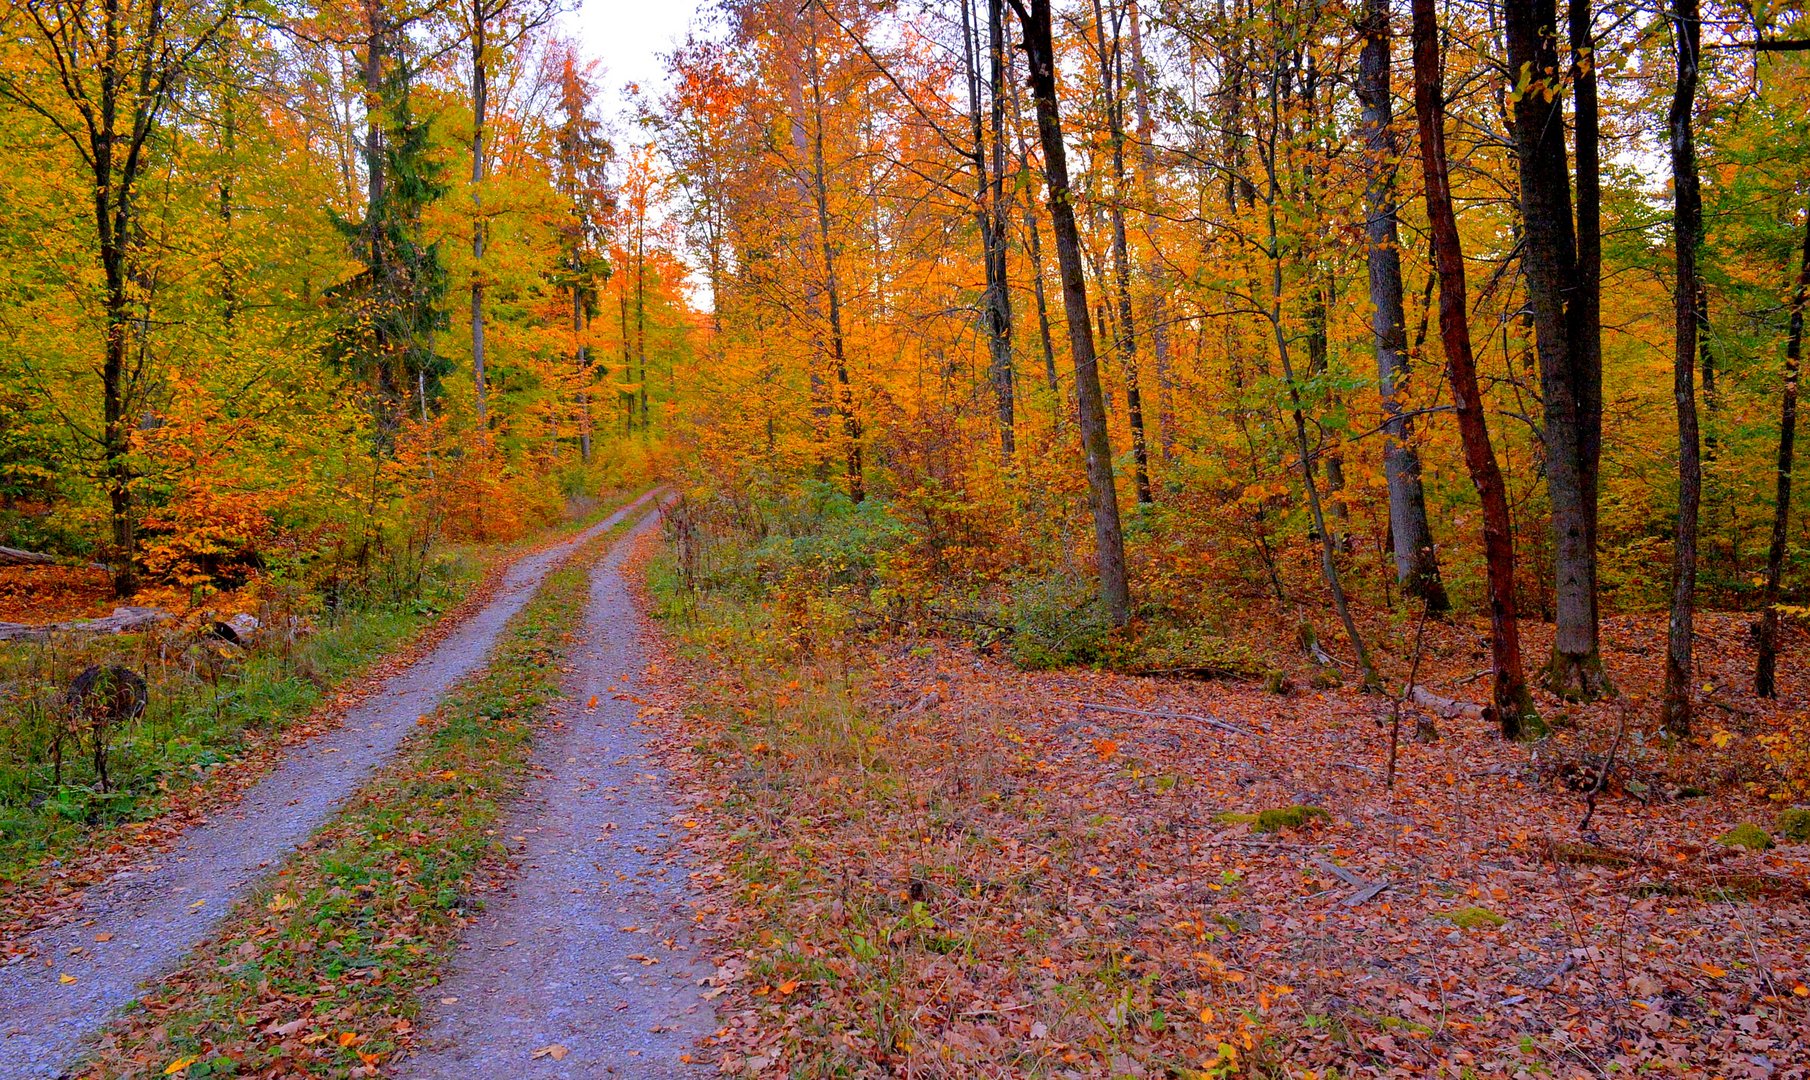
{"points": [[894, 910]]}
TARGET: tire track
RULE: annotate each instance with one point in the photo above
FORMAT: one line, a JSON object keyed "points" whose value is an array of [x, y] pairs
{"points": [[585, 966]]}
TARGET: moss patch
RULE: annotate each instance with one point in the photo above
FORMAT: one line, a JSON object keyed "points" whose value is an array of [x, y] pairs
{"points": [[1746, 835], [1473, 918], [1275, 820], [1794, 824]]}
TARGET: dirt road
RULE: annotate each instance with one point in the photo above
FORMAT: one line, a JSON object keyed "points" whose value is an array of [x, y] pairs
{"points": [[585, 967], [145, 919]]}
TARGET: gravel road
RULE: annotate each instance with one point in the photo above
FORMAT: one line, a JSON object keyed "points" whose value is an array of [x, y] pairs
{"points": [[585, 966], [144, 920]]}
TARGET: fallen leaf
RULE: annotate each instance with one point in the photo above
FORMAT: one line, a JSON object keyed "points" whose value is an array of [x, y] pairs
{"points": [[555, 1051], [180, 1065], [65, 978], [103, 937]]}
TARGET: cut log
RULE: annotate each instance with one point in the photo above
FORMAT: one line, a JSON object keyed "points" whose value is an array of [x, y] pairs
{"points": [[16, 557]]}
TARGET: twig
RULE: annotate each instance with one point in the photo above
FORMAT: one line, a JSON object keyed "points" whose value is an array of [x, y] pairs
{"points": [[1602, 777], [1420, 630], [1160, 714]]}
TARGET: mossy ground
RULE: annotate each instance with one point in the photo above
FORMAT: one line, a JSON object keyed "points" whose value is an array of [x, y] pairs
{"points": [[1746, 835], [1276, 819]]}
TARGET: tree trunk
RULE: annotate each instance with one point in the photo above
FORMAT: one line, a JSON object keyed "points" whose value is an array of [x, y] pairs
{"points": [[1569, 382], [1127, 341], [1034, 245], [1416, 562], [1108, 540], [641, 313], [1329, 566], [1763, 676], [845, 400], [480, 93], [989, 212], [1585, 311], [1512, 703], [1687, 226], [1155, 272]]}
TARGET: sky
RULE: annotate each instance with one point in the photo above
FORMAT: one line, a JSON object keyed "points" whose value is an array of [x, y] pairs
{"points": [[628, 36]]}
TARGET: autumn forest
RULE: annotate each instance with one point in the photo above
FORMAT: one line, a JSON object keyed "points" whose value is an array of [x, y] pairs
{"points": [[1195, 538]]}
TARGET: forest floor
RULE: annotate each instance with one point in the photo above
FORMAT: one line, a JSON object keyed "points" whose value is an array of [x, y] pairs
{"points": [[928, 863], [78, 946]]}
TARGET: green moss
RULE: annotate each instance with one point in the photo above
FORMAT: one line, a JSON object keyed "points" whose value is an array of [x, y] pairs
{"points": [[1473, 918], [1746, 835], [1794, 824], [1282, 817]]}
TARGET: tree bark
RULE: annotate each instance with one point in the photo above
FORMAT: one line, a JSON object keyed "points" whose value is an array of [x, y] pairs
{"points": [[1416, 561], [1570, 374], [1687, 227], [1109, 541], [1585, 311], [1764, 682], [1511, 702]]}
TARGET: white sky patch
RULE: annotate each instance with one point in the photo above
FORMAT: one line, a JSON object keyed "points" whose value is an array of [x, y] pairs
{"points": [[630, 38]]}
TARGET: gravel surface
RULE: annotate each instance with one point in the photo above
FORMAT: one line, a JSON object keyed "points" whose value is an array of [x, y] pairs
{"points": [[585, 966], [144, 920]]}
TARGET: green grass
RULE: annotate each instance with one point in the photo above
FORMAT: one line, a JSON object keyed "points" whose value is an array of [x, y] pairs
{"points": [[337, 948], [200, 714]]}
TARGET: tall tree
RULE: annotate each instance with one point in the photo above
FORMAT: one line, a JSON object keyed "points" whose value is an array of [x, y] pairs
{"points": [[988, 157], [389, 311], [105, 77], [1764, 677], [1687, 229], [1109, 542], [1267, 153], [1510, 701], [1155, 272], [492, 28], [1416, 562], [1112, 81], [1570, 365]]}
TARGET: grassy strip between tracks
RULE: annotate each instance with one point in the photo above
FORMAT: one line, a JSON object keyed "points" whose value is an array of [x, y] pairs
{"points": [[318, 973]]}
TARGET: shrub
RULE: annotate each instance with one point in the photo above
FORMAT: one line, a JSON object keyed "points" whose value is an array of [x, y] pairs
{"points": [[1058, 621]]}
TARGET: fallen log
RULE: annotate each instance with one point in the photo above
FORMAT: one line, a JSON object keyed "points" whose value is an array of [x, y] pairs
{"points": [[1449, 708], [1160, 714], [17, 557], [124, 620]]}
